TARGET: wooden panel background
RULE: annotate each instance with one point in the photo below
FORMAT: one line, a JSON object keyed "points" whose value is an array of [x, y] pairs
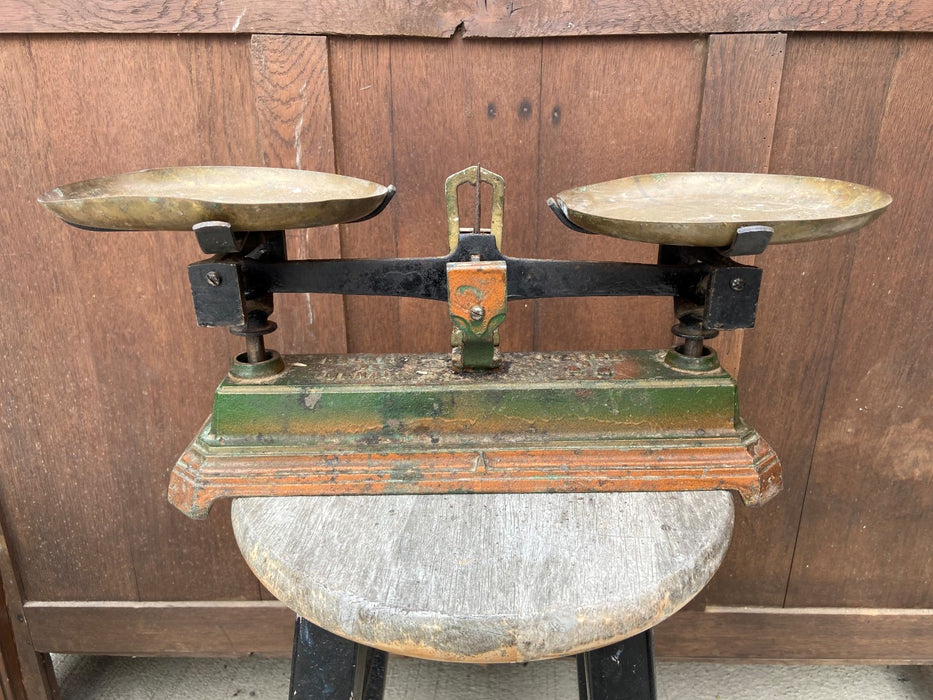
{"points": [[109, 376], [867, 539], [112, 373], [490, 18]]}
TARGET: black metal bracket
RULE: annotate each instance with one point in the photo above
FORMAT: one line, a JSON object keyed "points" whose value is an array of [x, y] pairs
{"points": [[749, 240], [219, 237], [235, 288]]}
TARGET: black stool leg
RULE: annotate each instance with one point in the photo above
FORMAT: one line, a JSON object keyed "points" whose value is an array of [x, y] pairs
{"points": [[623, 671], [328, 667]]}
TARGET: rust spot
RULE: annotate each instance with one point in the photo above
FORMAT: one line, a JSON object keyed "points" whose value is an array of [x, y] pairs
{"points": [[625, 369]]}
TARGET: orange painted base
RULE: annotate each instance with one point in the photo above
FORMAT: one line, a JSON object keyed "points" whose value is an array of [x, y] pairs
{"points": [[744, 463]]}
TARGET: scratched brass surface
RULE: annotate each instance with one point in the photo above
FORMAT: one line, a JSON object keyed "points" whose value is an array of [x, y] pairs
{"points": [[250, 199], [704, 209]]}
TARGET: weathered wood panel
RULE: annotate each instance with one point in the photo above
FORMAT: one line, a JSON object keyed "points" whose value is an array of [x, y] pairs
{"points": [[361, 90], [611, 108], [799, 635], [830, 111], [866, 535], [292, 83], [442, 123], [493, 18], [741, 87], [110, 375], [582, 17], [195, 628], [806, 635], [740, 98]]}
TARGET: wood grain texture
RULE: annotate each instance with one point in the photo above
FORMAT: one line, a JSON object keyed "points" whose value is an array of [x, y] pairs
{"points": [[111, 375], [455, 104], [163, 628], [611, 108], [494, 18], [485, 579], [740, 98], [581, 17], [827, 126], [866, 535], [292, 82], [361, 90], [239, 16], [809, 635]]}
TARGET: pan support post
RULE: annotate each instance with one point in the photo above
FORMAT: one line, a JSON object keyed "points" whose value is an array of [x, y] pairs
{"points": [[224, 294], [727, 296]]}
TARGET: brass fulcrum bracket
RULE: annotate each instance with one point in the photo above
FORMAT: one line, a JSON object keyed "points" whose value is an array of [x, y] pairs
{"points": [[476, 289]]}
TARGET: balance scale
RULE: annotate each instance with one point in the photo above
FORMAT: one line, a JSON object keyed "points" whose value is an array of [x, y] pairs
{"points": [[476, 420]]}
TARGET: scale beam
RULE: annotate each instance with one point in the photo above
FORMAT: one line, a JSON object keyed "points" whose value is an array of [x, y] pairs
{"points": [[425, 278]]}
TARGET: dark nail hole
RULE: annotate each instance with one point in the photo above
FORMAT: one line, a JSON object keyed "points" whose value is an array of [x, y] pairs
{"points": [[524, 109]]}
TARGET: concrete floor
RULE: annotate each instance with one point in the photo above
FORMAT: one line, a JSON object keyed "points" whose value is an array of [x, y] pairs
{"points": [[124, 678]]}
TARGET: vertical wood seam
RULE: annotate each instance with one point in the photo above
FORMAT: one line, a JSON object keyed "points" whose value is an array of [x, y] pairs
{"points": [[328, 49], [536, 316], [334, 143], [698, 132], [758, 155], [275, 111], [333, 146]]}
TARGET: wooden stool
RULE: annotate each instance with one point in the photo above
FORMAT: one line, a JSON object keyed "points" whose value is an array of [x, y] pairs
{"points": [[481, 578]]}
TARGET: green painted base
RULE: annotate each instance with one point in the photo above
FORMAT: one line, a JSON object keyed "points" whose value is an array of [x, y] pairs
{"points": [[575, 421]]}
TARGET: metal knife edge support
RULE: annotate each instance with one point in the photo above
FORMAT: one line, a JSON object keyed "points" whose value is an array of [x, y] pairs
{"points": [[476, 421]]}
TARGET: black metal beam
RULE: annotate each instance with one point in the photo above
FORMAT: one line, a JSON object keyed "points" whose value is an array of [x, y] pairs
{"points": [[225, 285], [426, 278]]}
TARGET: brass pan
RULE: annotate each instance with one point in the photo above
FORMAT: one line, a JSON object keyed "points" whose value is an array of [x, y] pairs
{"points": [[249, 199], [705, 209]]}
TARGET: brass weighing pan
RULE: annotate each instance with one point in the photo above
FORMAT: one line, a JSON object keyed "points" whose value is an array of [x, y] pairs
{"points": [[249, 199], [705, 209]]}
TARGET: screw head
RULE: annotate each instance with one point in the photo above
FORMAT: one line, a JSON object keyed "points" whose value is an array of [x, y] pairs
{"points": [[214, 279], [737, 284], [477, 312]]}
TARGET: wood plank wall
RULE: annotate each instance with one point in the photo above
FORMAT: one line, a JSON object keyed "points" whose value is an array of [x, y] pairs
{"points": [[109, 377]]}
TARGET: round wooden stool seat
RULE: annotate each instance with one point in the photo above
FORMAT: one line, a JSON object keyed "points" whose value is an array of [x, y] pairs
{"points": [[485, 578]]}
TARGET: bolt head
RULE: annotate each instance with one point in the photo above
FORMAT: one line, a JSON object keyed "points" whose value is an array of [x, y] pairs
{"points": [[214, 279], [738, 284], [477, 312]]}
